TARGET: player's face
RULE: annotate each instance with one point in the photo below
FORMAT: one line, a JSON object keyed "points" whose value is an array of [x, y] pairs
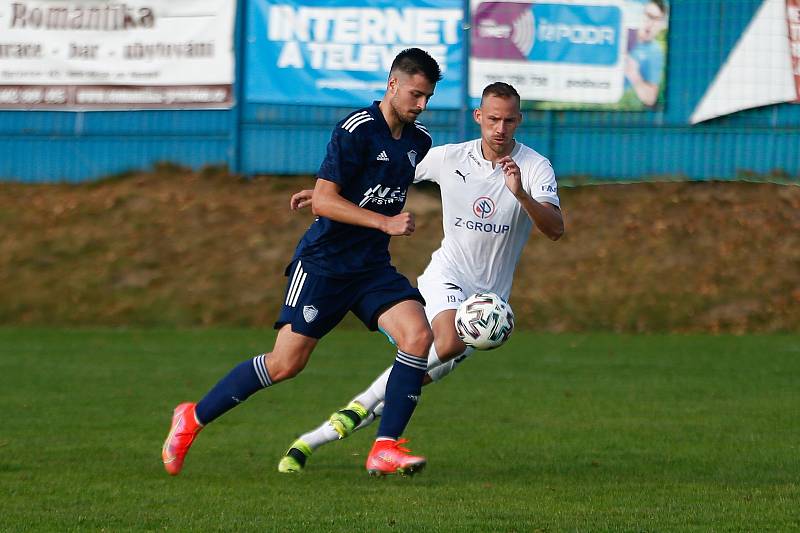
{"points": [[409, 95], [653, 22], [498, 118]]}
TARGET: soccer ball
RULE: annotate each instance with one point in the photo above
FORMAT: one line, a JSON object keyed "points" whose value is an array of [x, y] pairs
{"points": [[484, 321]]}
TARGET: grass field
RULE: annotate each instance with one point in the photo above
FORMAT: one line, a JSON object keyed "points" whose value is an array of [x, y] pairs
{"points": [[550, 433]]}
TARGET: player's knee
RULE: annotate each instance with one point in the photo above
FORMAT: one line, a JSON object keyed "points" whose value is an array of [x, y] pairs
{"points": [[285, 372], [283, 368], [417, 342]]}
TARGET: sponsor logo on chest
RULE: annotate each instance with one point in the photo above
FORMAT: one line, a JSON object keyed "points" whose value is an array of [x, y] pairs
{"points": [[483, 208], [482, 227], [380, 195]]}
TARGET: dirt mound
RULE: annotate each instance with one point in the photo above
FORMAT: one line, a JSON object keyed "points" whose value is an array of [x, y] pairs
{"points": [[206, 248]]}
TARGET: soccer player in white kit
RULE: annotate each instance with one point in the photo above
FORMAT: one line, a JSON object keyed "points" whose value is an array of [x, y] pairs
{"points": [[494, 190]]}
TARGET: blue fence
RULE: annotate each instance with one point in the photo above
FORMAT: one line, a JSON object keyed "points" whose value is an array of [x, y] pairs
{"points": [[46, 146]]}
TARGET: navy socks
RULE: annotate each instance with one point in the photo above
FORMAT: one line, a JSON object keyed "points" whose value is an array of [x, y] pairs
{"points": [[240, 383], [402, 394]]}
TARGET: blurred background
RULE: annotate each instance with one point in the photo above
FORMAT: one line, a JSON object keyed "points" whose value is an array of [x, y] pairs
{"points": [[150, 151]]}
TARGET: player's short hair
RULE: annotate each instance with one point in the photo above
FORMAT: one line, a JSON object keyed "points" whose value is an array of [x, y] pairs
{"points": [[417, 61], [662, 5], [501, 89]]}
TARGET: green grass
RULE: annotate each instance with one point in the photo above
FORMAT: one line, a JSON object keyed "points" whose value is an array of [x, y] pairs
{"points": [[551, 433]]}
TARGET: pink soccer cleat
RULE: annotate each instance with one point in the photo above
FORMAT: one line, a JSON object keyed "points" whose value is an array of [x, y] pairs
{"points": [[389, 457], [181, 435]]}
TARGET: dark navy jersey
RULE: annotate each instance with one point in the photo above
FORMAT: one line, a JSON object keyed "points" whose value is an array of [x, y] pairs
{"points": [[374, 171]]}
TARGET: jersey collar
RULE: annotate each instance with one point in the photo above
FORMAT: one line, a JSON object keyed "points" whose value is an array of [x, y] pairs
{"points": [[375, 110]]}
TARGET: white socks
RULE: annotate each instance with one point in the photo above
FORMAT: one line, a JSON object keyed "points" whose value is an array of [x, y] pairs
{"points": [[375, 392], [322, 435], [372, 398]]}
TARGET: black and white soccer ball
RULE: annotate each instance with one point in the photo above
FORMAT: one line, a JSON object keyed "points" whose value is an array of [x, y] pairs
{"points": [[484, 321]]}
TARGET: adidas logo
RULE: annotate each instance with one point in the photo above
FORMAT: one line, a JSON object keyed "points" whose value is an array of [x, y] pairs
{"points": [[382, 156]]}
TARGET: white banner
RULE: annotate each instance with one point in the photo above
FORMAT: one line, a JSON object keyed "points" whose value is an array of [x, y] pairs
{"points": [[95, 55], [761, 69]]}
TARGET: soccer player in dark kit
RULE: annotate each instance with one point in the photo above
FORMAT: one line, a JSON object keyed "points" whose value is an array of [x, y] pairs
{"points": [[342, 264]]}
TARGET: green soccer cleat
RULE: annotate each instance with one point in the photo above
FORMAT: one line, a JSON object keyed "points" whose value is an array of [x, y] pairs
{"points": [[344, 421], [295, 459]]}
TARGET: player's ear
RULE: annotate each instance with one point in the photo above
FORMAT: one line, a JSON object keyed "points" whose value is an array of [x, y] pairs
{"points": [[476, 114], [393, 83]]}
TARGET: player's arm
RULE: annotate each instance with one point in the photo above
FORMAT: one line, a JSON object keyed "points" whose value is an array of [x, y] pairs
{"points": [[545, 215], [398, 224], [327, 202], [426, 170], [344, 159], [345, 211]]}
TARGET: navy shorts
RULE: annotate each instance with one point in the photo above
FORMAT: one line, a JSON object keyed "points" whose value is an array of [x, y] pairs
{"points": [[314, 304]]}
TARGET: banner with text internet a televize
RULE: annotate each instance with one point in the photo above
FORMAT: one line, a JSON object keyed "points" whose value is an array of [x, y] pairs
{"points": [[338, 52]]}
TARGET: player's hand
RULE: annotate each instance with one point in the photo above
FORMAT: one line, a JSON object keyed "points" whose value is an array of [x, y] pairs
{"points": [[402, 224], [301, 200], [513, 175]]}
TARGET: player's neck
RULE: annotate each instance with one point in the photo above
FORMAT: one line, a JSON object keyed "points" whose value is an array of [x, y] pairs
{"points": [[492, 156], [391, 118]]}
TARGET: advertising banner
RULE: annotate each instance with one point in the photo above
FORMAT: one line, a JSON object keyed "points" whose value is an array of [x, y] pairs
{"points": [[99, 55], [763, 67], [793, 20], [338, 52], [582, 54]]}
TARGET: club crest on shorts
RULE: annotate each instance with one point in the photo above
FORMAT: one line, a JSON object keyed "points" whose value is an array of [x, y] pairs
{"points": [[310, 313], [412, 156]]}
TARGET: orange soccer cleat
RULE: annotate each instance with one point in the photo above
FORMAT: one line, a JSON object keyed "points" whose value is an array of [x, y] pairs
{"points": [[389, 457], [181, 435]]}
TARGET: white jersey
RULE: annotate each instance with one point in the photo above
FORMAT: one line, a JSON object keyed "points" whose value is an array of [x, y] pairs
{"points": [[485, 227]]}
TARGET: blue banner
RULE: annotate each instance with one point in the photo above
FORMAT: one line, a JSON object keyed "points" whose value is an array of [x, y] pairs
{"points": [[588, 35], [571, 54], [338, 52]]}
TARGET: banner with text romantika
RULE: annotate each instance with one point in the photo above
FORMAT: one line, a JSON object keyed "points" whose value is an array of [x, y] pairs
{"points": [[572, 54], [338, 52], [100, 55]]}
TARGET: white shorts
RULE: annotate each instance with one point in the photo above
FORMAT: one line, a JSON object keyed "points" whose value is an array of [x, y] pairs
{"points": [[441, 292]]}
